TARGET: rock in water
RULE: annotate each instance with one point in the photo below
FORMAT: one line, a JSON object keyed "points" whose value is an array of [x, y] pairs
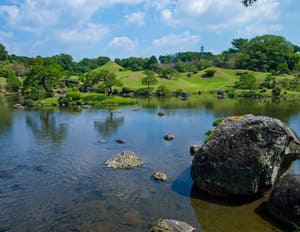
{"points": [[169, 136], [284, 202], [194, 149], [159, 176], [168, 225], [124, 160], [120, 141], [245, 155]]}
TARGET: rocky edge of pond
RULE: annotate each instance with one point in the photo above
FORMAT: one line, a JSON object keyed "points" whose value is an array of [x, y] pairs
{"points": [[247, 155], [169, 225], [124, 160]]}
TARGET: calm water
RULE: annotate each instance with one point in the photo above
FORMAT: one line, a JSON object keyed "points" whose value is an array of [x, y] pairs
{"points": [[53, 178]]}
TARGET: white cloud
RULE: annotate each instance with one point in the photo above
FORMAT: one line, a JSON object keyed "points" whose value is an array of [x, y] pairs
{"points": [[176, 42], [136, 18], [89, 34], [123, 43], [259, 29], [218, 15]]}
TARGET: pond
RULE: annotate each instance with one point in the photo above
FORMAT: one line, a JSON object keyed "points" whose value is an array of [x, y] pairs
{"points": [[53, 177]]}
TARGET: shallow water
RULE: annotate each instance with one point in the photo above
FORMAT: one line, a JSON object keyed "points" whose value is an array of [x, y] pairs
{"points": [[53, 178]]}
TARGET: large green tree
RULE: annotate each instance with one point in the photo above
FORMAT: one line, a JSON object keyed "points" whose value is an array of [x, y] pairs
{"points": [[267, 53], [45, 75]]}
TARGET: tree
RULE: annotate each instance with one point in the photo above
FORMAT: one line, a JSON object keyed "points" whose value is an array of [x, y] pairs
{"points": [[149, 79], [46, 76], [108, 80], [239, 44], [3, 53], [266, 53], [13, 83]]}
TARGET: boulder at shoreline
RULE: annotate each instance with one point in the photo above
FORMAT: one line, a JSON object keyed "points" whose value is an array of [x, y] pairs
{"points": [[245, 155]]}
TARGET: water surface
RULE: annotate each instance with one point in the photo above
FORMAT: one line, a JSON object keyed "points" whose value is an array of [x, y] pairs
{"points": [[53, 178]]}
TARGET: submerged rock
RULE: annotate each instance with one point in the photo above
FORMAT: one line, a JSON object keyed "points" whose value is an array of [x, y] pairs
{"points": [[245, 155], [284, 201], [124, 160], [169, 137], [159, 176], [168, 225]]}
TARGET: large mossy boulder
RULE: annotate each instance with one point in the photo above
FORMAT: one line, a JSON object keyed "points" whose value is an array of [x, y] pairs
{"points": [[284, 201], [244, 156]]}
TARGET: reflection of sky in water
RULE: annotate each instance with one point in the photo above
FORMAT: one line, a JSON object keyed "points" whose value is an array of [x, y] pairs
{"points": [[294, 123]]}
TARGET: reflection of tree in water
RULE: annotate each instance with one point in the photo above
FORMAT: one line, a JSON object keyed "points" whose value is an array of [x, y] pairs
{"points": [[109, 126], [46, 127], [5, 114]]}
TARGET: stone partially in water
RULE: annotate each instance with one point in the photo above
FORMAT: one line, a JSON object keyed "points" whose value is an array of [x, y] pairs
{"points": [[159, 176], [124, 160], [168, 225], [194, 149], [245, 156], [284, 201], [120, 141], [169, 136]]}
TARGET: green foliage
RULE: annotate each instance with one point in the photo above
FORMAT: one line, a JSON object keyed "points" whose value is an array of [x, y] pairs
{"points": [[267, 53], [45, 73], [231, 93], [218, 121], [3, 53], [208, 135], [74, 96], [28, 103], [34, 93], [269, 82], [5, 70], [13, 83], [209, 73], [163, 91], [276, 92], [168, 73], [142, 92], [247, 81], [149, 79]]}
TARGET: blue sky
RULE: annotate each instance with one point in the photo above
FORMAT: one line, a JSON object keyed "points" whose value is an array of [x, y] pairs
{"points": [[123, 28]]}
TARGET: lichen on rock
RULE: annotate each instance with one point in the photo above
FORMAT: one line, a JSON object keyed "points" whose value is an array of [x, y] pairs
{"points": [[124, 160]]}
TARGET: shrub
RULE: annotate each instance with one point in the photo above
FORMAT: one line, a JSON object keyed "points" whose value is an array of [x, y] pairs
{"points": [[64, 101], [28, 103], [209, 73], [142, 92], [163, 91], [74, 96]]}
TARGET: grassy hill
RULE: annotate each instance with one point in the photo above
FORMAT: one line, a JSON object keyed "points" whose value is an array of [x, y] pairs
{"points": [[188, 82]]}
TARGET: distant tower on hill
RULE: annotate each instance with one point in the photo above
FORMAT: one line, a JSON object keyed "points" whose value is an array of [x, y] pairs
{"points": [[202, 49]]}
